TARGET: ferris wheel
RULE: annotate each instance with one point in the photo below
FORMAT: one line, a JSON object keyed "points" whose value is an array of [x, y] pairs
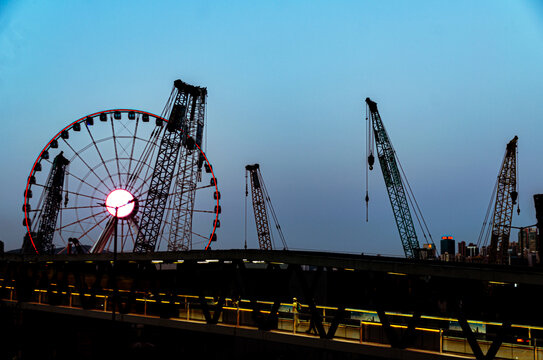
{"points": [[127, 179]]}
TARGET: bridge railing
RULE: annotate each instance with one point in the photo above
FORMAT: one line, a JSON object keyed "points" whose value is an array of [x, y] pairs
{"points": [[357, 325]]}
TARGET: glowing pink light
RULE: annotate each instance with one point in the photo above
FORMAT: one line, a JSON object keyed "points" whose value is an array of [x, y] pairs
{"points": [[122, 201]]}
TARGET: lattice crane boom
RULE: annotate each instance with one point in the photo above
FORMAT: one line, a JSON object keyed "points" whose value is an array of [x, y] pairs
{"points": [[181, 108], [51, 206], [506, 198], [260, 199], [189, 174], [393, 183], [259, 207]]}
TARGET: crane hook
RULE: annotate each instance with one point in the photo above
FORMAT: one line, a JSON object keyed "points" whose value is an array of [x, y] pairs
{"points": [[371, 161], [367, 201]]}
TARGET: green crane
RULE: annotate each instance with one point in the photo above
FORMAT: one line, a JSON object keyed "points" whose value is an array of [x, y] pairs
{"points": [[393, 180]]}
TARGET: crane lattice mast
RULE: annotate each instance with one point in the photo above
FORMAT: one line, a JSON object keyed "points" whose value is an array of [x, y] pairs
{"points": [[260, 198], [185, 100], [393, 183], [189, 174], [51, 206], [506, 198]]}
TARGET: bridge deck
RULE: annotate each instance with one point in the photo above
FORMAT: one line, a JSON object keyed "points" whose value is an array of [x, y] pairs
{"points": [[412, 307], [471, 271]]}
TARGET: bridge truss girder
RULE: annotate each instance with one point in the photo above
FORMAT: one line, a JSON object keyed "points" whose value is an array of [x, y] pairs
{"points": [[384, 291]]}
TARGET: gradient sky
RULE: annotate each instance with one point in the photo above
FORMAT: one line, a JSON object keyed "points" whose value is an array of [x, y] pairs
{"points": [[454, 81]]}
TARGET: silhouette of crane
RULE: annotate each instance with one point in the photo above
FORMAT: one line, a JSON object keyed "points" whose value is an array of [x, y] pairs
{"points": [[399, 197], [262, 201], [506, 199]]}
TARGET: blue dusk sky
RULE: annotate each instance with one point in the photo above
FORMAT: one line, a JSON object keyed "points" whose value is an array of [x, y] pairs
{"points": [[454, 82]]}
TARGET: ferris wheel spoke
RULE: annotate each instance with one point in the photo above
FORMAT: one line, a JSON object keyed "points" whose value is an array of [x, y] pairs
{"points": [[82, 207], [74, 193], [132, 149], [115, 147], [47, 161], [199, 235], [79, 221], [144, 160], [136, 182], [204, 211], [99, 165], [71, 208], [148, 152], [203, 187], [93, 227], [85, 182], [124, 151], [142, 193], [99, 154], [145, 182], [131, 232], [123, 239], [174, 193], [87, 165]]}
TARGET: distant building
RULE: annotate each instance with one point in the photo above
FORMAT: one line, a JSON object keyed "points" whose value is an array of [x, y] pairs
{"points": [[515, 249], [472, 250], [447, 245], [427, 251], [462, 250], [430, 250], [527, 239]]}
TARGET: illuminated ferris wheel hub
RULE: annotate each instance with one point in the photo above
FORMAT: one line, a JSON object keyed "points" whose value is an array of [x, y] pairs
{"points": [[121, 203]]}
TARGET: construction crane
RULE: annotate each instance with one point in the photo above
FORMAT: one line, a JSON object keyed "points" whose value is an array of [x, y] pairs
{"points": [[399, 197], [261, 201], [185, 113], [47, 218], [506, 194]]}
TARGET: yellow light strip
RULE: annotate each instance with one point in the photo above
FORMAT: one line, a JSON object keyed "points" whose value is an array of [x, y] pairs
{"points": [[290, 304]]}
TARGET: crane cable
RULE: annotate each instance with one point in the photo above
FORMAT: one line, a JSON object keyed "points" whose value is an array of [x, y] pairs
{"points": [[369, 151], [410, 194], [415, 204], [484, 234], [152, 144]]}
